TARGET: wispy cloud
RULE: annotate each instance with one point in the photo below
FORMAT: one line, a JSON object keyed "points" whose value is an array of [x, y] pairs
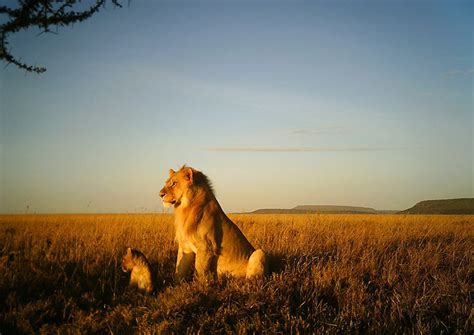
{"points": [[317, 131], [458, 73], [299, 149]]}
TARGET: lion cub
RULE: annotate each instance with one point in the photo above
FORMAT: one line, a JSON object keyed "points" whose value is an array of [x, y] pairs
{"points": [[137, 263]]}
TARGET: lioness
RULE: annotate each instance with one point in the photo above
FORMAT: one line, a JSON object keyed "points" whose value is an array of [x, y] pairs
{"points": [[208, 240], [136, 262]]}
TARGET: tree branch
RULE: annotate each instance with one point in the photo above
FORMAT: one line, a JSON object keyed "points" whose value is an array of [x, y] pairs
{"points": [[41, 14]]}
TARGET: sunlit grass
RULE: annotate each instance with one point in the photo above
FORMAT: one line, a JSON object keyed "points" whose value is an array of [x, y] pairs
{"points": [[331, 273]]}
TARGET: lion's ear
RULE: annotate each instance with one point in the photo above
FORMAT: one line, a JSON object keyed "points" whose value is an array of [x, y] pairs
{"points": [[189, 174], [172, 172]]}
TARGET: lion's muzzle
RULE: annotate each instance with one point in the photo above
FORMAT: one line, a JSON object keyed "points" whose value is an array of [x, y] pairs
{"points": [[166, 202]]}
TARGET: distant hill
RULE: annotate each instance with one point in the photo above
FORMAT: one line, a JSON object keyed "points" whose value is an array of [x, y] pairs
{"points": [[446, 206], [277, 211], [463, 206], [336, 209], [326, 209]]}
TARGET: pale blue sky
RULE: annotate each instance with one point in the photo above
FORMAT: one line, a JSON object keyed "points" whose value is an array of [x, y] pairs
{"points": [[280, 104]]}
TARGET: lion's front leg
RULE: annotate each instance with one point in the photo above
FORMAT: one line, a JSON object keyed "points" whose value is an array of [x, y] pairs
{"points": [[206, 264], [184, 264]]}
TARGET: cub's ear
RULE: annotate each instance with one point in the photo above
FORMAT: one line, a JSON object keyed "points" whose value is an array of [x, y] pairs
{"points": [[189, 174], [172, 172], [129, 251]]}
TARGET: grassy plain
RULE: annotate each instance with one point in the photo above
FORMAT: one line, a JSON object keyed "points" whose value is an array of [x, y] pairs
{"points": [[331, 274]]}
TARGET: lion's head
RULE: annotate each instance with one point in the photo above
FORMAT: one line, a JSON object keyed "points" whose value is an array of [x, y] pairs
{"points": [[174, 193], [132, 258], [127, 261]]}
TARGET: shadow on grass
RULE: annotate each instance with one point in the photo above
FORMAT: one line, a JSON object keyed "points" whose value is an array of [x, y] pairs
{"points": [[279, 262]]}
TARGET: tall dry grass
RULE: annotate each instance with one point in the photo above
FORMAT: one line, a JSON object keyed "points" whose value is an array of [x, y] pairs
{"points": [[331, 274]]}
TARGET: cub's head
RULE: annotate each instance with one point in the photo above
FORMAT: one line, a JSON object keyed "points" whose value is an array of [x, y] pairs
{"points": [[176, 187], [127, 261]]}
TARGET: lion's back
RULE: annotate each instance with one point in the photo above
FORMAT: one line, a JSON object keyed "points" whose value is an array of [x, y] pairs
{"points": [[235, 250]]}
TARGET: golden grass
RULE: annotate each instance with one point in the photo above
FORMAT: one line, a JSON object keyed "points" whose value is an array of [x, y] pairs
{"points": [[331, 274]]}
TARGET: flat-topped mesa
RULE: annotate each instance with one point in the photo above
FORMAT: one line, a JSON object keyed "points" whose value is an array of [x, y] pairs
{"points": [[460, 206]]}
